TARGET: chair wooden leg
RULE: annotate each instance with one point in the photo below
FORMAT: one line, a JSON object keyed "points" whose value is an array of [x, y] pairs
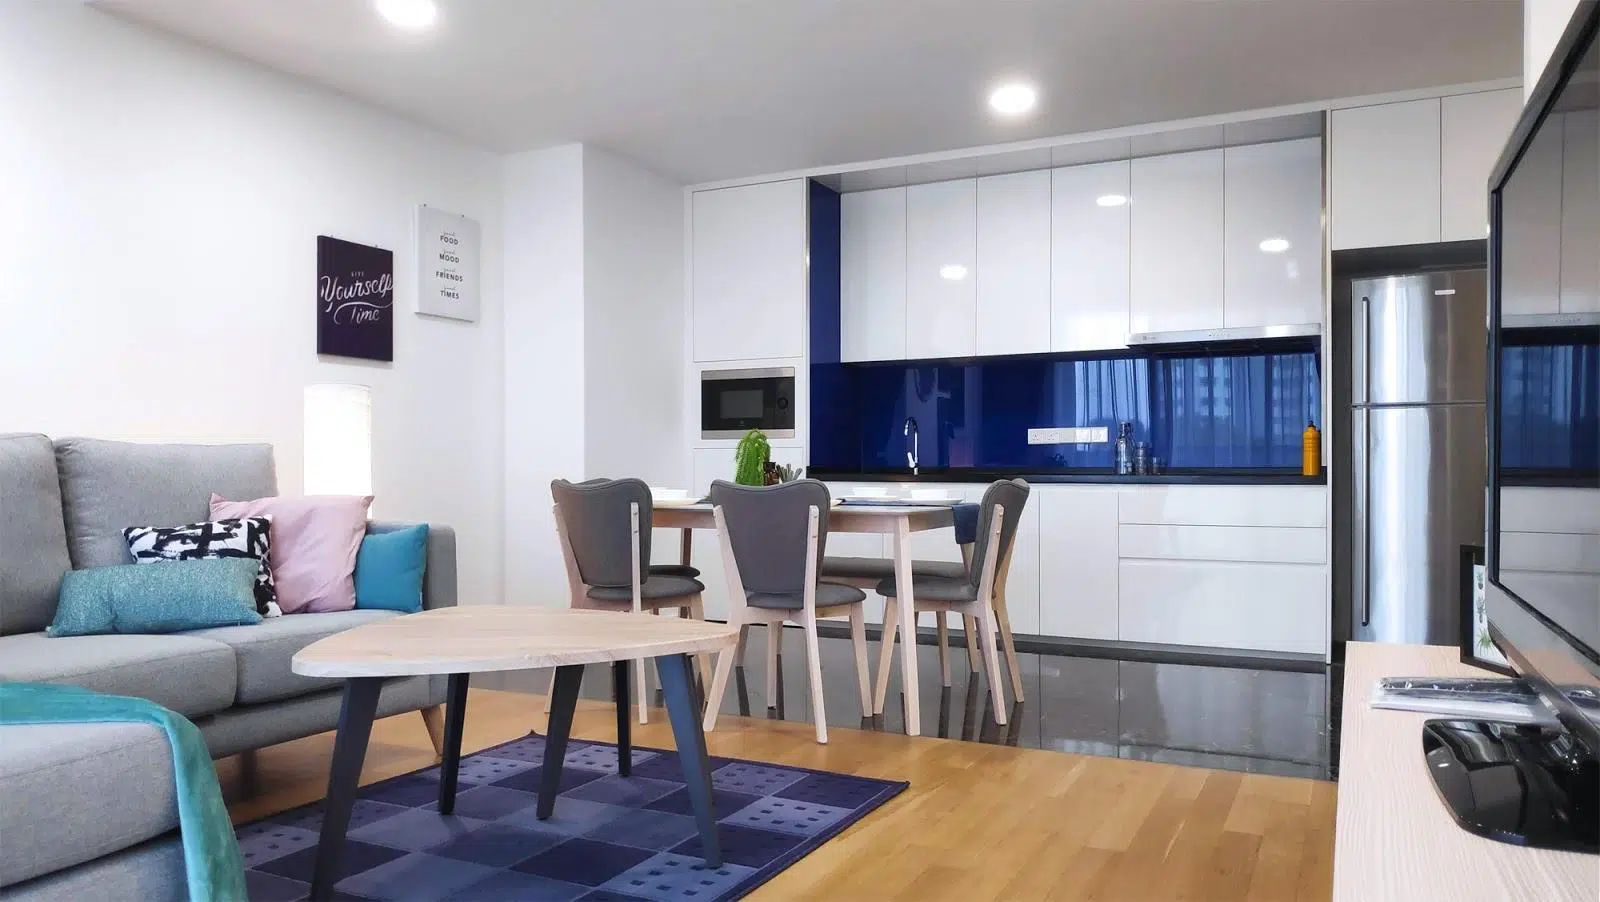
{"points": [[549, 693], [433, 719], [641, 684], [991, 660], [944, 647], [858, 638], [696, 610], [774, 639], [814, 666], [969, 624], [891, 621], [1007, 644], [719, 684]]}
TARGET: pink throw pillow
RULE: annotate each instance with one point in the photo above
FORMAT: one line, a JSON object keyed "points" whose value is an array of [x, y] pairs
{"points": [[314, 544]]}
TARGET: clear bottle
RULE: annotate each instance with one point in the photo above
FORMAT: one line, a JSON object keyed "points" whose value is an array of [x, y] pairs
{"points": [[1124, 449]]}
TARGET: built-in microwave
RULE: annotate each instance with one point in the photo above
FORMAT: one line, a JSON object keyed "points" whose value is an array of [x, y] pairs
{"points": [[733, 402]]}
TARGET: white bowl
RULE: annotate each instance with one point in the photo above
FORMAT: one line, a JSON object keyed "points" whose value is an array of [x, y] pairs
{"points": [[870, 491], [932, 495], [661, 494]]}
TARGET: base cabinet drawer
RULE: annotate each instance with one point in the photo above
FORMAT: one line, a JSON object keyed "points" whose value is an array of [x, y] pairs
{"points": [[1077, 562], [1268, 607]]}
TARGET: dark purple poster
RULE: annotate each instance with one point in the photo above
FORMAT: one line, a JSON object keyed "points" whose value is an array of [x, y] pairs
{"points": [[355, 300]]}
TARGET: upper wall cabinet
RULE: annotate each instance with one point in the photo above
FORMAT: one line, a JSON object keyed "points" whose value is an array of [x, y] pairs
{"points": [[1177, 243], [1273, 226], [1089, 257], [1531, 250], [1384, 169], [941, 264], [1580, 213], [1013, 272], [749, 281], [1473, 129], [873, 275]]}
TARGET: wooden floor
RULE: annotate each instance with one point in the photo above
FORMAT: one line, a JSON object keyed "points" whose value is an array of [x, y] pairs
{"points": [[979, 821]]}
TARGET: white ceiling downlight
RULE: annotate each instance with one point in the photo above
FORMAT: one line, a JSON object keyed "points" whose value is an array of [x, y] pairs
{"points": [[1013, 98], [413, 15], [1274, 245]]}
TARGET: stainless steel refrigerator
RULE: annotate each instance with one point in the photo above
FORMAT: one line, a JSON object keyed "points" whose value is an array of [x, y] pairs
{"points": [[1418, 448]]}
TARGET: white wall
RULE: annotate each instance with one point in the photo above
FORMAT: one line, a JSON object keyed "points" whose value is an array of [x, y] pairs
{"points": [[159, 207], [633, 321], [1542, 24]]}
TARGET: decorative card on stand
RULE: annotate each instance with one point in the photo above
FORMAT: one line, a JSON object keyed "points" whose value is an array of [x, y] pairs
{"points": [[355, 300], [447, 264]]}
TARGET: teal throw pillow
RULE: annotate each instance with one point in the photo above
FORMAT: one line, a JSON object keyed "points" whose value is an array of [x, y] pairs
{"points": [[389, 569], [160, 597]]}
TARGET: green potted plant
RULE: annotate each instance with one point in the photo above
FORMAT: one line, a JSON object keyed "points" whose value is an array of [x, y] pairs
{"points": [[750, 460]]}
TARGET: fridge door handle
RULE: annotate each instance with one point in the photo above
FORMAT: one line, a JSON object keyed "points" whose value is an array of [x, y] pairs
{"points": [[1363, 374], [1363, 528]]}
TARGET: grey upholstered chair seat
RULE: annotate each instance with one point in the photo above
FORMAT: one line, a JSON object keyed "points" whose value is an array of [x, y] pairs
{"points": [[934, 588], [883, 568], [654, 588], [828, 595], [674, 570]]}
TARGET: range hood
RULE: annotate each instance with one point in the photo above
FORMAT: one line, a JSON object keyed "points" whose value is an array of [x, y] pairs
{"points": [[1239, 333]]}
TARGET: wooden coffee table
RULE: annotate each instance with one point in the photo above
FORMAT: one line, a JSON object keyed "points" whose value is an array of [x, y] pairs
{"points": [[459, 641]]}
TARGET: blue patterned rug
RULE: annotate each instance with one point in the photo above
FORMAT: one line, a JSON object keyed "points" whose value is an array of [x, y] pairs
{"points": [[611, 838]]}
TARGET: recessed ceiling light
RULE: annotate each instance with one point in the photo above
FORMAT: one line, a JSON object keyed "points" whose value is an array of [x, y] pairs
{"points": [[955, 272], [1111, 200], [1274, 245], [409, 14], [1013, 98]]}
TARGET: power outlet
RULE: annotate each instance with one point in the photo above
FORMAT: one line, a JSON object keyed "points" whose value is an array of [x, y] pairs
{"points": [[1069, 435]]}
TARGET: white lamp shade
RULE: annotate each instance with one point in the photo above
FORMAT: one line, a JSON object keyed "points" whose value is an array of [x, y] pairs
{"points": [[338, 439]]}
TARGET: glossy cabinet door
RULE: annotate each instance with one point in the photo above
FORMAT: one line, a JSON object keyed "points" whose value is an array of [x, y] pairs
{"points": [[1531, 213], [1266, 607], [1077, 561], [872, 248], [1473, 129], [1013, 272], [1384, 175], [1580, 213], [1089, 238], [1177, 243], [749, 280], [1273, 228], [941, 269]]}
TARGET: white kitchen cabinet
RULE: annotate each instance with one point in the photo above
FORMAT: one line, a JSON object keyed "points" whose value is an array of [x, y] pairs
{"points": [[1244, 544], [1013, 272], [1531, 214], [1077, 561], [872, 248], [1291, 506], [1384, 174], [1089, 238], [1177, 243], [1473, 129], [1580, 213], [941, 263], [749, 280], [1266, 607], [1273, 228]]}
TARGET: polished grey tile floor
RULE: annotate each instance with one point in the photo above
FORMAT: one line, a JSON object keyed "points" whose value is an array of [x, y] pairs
{"points": [[1230, 718]]}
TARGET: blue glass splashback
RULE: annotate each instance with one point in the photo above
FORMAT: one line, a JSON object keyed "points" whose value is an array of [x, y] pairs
{"points": [[1239, 410], [1550, 407]]}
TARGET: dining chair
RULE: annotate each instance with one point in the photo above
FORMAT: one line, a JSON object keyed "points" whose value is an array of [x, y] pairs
{"points": [[971, 594], [772, 541], [604, 529]]}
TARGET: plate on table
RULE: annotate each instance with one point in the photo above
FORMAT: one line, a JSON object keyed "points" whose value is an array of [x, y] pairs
{"points": [[934, 496], [671, 497]]}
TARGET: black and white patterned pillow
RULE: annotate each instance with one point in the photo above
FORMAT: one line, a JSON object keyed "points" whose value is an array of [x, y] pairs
{"points": [[248, 537]]}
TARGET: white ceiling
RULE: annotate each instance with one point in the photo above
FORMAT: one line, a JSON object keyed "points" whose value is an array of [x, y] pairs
{"points": [[703, 90]]}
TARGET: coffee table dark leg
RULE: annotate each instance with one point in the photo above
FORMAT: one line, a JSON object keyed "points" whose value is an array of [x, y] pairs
{"points": [[349, 751], [563, 701], [619, 688], [677, 682], [455, 720]]}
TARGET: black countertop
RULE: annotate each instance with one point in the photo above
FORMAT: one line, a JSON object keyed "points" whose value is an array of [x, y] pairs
{"points": [[1090, 477]]}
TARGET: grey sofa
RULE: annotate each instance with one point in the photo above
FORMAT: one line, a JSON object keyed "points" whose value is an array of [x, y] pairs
{"points": [[88, 811]]}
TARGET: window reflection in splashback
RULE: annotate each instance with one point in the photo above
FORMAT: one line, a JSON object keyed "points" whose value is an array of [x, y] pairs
{"points": [[1199, 410]]}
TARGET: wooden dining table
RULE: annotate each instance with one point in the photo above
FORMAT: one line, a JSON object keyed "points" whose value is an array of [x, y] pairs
{"points": [[897, 520]]}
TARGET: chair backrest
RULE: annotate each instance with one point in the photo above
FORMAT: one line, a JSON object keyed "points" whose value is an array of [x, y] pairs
{"points": [[768, 529], [598, 523], [1010, 495]]}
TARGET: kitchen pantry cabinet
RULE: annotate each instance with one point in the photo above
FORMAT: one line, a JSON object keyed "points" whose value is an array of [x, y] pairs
{"points": [[1273, 233], [1013, 271], [1089, 238], [941, 263], [1177, 243], [749, 280], [873, 275]]}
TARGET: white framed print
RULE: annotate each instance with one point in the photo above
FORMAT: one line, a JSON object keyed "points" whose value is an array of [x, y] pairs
{"points": [[447, 264]]}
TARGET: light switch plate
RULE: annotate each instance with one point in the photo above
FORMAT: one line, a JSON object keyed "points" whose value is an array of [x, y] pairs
{"points": [[1069, 435]]}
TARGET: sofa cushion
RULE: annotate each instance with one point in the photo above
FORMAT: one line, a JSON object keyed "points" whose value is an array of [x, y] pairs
{"points": [[75, 792], [264, 651], [109, 486], [33, 541], [193, 677]]}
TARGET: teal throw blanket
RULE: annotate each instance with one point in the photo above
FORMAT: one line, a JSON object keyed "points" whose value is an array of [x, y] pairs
{"points": [[210, 851]]}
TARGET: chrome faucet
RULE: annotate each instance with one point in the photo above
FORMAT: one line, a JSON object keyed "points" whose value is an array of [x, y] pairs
{"points": [[911, 453]]}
